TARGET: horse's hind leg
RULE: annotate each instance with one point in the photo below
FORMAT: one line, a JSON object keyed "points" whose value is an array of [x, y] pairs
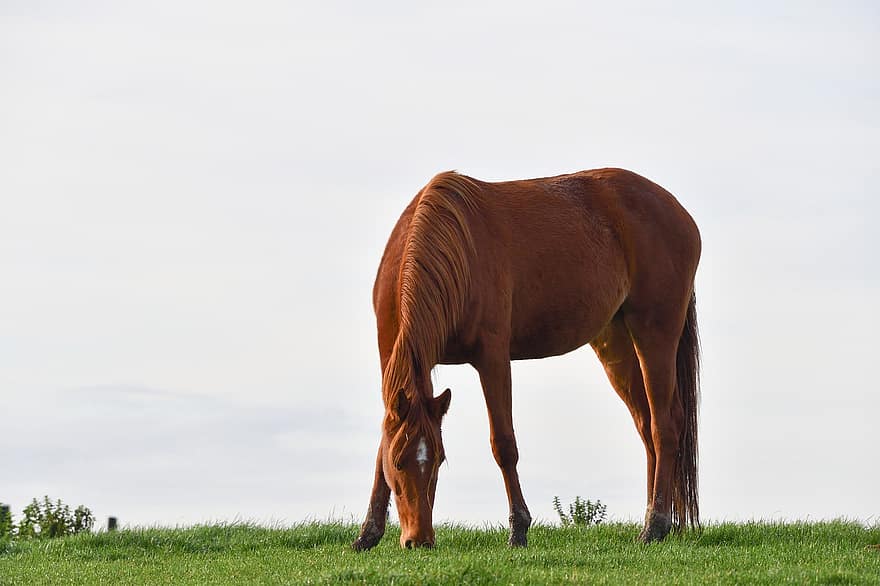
{"points": [[494, 369], [655, 334], [615, 350]]}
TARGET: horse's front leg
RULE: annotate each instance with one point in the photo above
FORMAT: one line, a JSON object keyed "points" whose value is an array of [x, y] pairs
{"points": [[494, 370], [374, 526]]}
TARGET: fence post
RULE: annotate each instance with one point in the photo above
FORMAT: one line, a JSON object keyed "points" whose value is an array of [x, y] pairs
{"points": [[5, 520], [111, 523]]}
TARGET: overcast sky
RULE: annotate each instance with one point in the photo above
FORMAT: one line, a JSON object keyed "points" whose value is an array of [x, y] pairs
{"points": [[196, 195]]}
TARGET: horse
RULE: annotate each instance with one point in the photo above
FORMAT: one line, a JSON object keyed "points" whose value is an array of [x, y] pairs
{"points": [[485, 273]]}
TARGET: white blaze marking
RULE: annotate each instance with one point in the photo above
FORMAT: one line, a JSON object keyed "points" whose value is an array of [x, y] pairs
{"points": [[422, 454]]}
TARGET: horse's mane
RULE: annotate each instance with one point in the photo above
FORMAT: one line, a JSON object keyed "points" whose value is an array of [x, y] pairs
{"points": [[433, 289]]}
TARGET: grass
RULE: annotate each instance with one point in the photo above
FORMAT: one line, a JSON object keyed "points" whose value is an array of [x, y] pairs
{"points": [[316, 553]]}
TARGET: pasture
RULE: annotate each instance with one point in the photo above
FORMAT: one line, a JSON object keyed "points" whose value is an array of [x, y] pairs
{"points": [[316, 553]]}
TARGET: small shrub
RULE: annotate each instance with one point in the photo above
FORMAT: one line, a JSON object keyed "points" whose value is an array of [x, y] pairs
{"points": [[581, 512], [47, 519]]}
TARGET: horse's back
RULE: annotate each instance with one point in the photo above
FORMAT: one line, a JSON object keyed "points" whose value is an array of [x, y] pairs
{"points": [[572, 249], [554, 259]]}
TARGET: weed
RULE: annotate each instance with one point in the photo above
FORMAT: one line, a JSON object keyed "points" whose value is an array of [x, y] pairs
{"points": [[581, 512]]}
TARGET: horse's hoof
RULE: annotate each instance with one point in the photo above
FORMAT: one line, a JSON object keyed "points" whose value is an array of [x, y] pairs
{"points": [[367, 540], [657, 526], [518, 537], [520, 520], [370, 535], [517, 541], [364, 543]]}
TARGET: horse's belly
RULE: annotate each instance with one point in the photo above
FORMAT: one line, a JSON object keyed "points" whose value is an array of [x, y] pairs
{"points": [[555, 334], [554, 316]]}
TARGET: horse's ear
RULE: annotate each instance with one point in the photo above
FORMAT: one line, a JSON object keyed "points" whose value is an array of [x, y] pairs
{"points": [[401, 405], [441, 403]]}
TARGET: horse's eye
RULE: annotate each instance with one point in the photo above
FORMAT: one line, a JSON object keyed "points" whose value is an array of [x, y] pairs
{"points": [[399, 466]]}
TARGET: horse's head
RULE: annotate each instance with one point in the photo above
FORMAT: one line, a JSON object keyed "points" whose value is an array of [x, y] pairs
{"points": [[412, 451]]}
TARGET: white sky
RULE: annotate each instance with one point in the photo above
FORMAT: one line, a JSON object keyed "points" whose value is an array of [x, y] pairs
{"points": [[195, 197]]}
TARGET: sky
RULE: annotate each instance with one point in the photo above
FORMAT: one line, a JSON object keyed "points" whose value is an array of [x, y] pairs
{"points": [[196, 195]]}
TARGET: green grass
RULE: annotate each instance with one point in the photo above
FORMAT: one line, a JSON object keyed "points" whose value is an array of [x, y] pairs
{"points": [[754, 553]]}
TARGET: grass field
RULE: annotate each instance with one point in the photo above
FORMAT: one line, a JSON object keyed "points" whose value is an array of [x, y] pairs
{"points": [[753, 553]]}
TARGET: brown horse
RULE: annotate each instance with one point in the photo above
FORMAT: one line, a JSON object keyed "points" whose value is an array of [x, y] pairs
{"points": [[485, 273]]}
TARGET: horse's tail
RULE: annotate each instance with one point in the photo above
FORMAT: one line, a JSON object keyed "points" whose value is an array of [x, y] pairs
{"points": [[685, 505]]}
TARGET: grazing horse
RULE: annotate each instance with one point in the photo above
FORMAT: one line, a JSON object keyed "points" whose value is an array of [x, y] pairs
{"points": [[485, 273]]}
